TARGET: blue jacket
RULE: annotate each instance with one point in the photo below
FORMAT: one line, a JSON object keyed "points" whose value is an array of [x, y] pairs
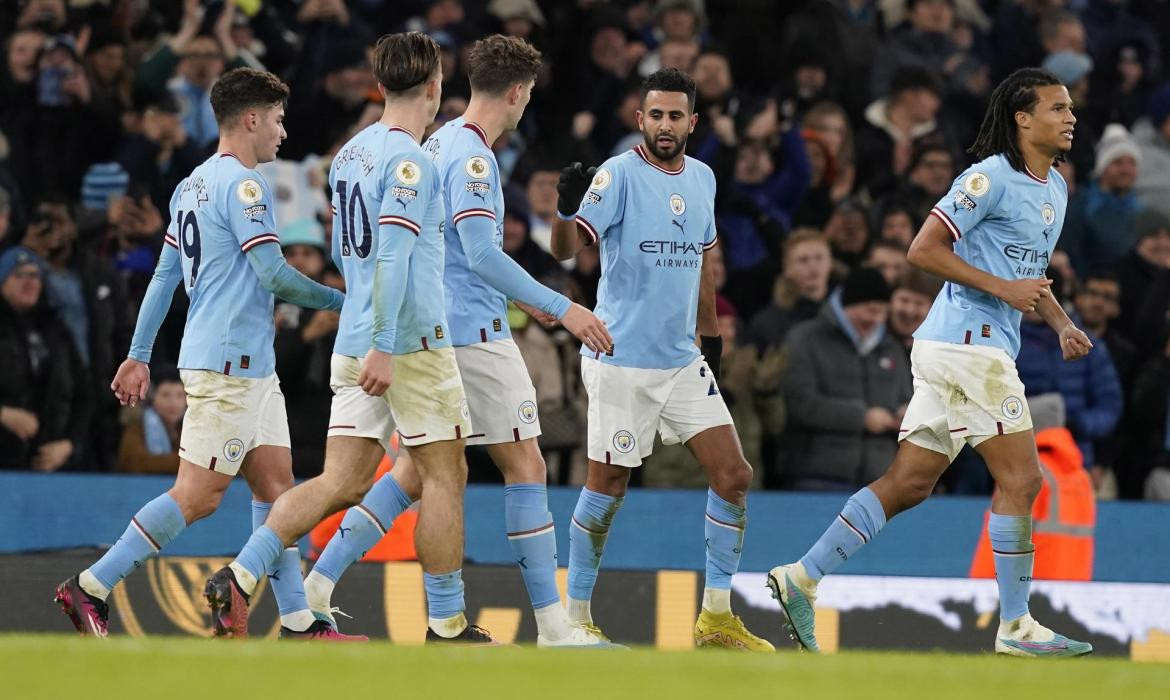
{"points": [[1090, 387]]}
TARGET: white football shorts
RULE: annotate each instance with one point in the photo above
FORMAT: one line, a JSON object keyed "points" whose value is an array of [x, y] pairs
{"points": [[228, 416]]}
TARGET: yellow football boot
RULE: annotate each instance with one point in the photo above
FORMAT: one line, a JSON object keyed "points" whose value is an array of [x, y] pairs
{"points": [[727, 631]]}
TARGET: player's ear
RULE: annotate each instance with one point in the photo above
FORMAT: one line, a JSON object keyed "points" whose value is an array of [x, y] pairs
{"points": [[514, 93], [1023, 120], [639, 115], [694, 121]]}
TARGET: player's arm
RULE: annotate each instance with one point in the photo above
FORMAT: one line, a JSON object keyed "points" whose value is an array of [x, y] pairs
{"points": [[569, 236], [933, 251], [395, 243], [710, 341], [283, 280], [1074, 344], [132, 380]]}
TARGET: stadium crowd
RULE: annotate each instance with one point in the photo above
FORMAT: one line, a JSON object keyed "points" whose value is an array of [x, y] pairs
{"points": [[833, 126]]}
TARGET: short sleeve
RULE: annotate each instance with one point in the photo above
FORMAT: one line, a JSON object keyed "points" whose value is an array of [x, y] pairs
{"points": [[604, 203], [471, 186], [970, 200], [251, 216], [410, 182]]}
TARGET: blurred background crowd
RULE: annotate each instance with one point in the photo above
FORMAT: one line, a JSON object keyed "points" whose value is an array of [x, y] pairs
{"points": [[832, 126]]}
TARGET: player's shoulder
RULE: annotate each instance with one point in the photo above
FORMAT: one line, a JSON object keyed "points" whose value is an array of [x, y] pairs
{"points": [[1058, 180], [697, 166], [988, 176], [238, 180], [614, 169], [468, 156], [410, 165]]}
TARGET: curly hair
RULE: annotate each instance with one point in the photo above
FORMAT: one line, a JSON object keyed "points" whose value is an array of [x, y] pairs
{"points": [[498, 62], [241, 89]]}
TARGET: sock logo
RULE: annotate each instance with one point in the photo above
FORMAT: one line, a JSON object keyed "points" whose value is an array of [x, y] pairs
{"points": [[521, 561], [1025, 579], [344, 530]]}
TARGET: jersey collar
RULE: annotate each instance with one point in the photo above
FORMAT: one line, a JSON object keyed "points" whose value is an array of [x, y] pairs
{"points": [[642, 153], [229, 154], [478, 132], [1034, 176], [408, 132]]}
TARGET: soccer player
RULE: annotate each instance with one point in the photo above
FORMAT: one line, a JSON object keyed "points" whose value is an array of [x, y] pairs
{"points": [[990, 237], [222, 244], [478, 280], [652, 211], [393, 363]]}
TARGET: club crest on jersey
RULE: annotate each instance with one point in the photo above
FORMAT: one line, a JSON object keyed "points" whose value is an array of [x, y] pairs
{"points": [[977, 184], [249, 191], [623, 441], [1012, 408], [1049, 214], [477, 167], [233, 449], [601, 179], [408, 172], [527, 412], [677, 204]]}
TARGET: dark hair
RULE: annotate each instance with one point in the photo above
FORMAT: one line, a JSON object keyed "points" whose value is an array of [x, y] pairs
{"points": [[241, 89], [498, 62], [926, 146], [404, 61], [164, 373], [913, 78], [1101, 274], [1051, 21], [883, 244], [919, 282], [670, 80], [999, 133]]}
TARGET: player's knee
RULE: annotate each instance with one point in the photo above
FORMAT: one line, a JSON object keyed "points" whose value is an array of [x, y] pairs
{"points": [[198, 505], [912, 489], [1024, 482], [732, 479]]}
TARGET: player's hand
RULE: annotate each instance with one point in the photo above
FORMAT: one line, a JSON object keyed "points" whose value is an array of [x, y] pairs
{"points": [[545, 319], [52, 455], [589, 329], [1024, 295], [571, 187], [1074, 343], [21, 423], [879, 420], [131, 382], [376, 373]]}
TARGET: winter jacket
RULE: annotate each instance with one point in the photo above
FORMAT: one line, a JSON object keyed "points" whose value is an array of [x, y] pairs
{"points": [[1090, 387], [828, 386]]}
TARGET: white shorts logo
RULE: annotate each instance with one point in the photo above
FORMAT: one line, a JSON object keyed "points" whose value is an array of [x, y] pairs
{"points": [[233, 449], [527, 412], [463, 410], [1048, 213], [623, 441], [677, 204], [1012, 408]]}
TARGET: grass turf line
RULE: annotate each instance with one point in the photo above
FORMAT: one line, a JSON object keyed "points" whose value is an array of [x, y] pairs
{"points": [[59, 666]]}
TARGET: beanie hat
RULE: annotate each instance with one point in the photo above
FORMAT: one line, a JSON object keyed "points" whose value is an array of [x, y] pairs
{"points": [[1115, 143], [864, 285], [1069, 66], [15, 257]]}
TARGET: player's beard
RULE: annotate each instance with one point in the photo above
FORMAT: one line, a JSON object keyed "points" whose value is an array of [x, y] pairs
{"points": [[652, 145]]}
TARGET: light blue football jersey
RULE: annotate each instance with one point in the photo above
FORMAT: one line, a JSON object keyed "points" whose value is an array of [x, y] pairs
{"points": [[384, 186], [218, 213], [653, 226], [1006, 223]]}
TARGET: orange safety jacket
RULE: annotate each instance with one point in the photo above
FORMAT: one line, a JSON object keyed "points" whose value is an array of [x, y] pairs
{"points": [[1063, 516], [396, 545]]}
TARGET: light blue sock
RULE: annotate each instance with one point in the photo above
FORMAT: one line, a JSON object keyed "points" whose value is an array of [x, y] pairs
{"points": [[261, 551], [591, 521], [444, 594], [284, 576], [861, 519], [723, 527], [1011, 546], [533, 540], [151, 528], [362, 528]]}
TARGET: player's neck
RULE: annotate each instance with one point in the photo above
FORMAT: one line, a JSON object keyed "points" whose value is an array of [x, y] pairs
{"points": [[406, 116], [238, 148], [1038, 163], [487, 116]]}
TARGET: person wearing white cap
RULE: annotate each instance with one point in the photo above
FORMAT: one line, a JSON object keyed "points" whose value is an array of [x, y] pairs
{"points": [[1099, 227]]}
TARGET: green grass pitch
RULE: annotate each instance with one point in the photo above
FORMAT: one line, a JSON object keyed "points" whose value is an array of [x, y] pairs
{"points": [[65, 667]]}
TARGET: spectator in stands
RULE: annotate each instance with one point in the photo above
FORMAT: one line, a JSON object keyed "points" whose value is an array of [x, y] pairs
{"points": [[715, 97], [600, 83], [161, 153], [150, 439], [924, 43], [519, 18], [1144, 470], [894, 126], [929, 177], [1145, 282], [897, 221], [5, 216], [888, 258], [44, 398], [109, 79], [1098, 303], [1152, 134], [1123, 86], [304, 348], [1061, 30], [319, 117], [541, 193], [846, 385], [1099, 225], [1090, 387], [914, 293], [1073, 69], [800, 290], [848, 233], [829, 143]]}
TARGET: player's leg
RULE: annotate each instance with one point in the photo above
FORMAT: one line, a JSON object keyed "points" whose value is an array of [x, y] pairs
{"points": [[600, 499], [195, 494], [1013, 463], [363, 527]]}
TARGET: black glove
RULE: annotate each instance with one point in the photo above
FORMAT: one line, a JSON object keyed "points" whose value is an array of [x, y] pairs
{"points": [[712, 349], [571, 187]]}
